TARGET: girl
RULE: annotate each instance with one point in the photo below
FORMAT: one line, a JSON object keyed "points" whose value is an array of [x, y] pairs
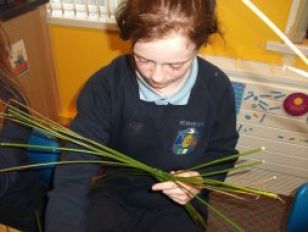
{"points": [[162, 105]]}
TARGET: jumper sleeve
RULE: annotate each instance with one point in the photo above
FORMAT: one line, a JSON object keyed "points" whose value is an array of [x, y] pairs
{"points": [[224, 135], [68, 201], [10, 157], [20, 191]]}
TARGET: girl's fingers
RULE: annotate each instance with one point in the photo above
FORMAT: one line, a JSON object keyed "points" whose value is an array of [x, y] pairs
{"points": [[177, 191], [164, 186]]}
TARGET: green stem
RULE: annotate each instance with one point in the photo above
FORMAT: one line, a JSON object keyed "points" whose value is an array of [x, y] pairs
{"points": [[230, 186], [221, 215], [239, 167], [119, 159], [231, 157], [46, 164]]}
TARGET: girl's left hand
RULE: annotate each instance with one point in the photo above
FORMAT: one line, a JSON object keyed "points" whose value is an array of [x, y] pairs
{"points": [[179, 192]]}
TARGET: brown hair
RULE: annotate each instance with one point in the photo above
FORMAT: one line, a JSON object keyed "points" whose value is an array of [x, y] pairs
{"points": [[8, 78], [9, 85], [152, 19]]}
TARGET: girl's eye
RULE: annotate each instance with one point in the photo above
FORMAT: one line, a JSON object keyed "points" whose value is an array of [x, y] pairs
{"points": [[141, 60], [175, 66]]}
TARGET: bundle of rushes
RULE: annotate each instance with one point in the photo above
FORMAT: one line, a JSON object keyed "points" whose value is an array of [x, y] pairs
{"points": [[113, 158]]}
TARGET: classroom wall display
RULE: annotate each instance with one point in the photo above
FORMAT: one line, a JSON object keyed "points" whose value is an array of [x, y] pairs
{"points": [[271, 112], [296, 104], [19, 58]]}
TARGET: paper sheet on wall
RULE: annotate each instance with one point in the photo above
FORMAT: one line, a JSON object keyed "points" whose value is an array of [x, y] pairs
{"points": [[19, 58]]}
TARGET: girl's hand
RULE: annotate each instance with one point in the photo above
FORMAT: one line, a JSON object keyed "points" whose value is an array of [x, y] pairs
{"points": [[177, 191]]}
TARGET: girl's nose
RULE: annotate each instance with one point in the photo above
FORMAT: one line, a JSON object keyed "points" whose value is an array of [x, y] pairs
{"points": [[157, 74]]}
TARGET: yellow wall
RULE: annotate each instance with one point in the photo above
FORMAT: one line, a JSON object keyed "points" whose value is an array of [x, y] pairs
{"points": [[245, 34], [80, 52]]}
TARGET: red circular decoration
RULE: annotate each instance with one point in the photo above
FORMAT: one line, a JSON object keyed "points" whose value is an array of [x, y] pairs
{"points": [[296, 104]]}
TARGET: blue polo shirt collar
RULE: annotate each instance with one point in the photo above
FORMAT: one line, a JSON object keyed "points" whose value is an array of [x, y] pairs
{"points": [[147, 93]]}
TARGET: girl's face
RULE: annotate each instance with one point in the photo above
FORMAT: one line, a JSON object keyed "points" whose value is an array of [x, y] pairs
{"points": [[164, 63]]}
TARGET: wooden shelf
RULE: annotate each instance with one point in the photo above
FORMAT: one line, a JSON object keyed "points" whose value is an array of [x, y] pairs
{"points": [[18, 8]]}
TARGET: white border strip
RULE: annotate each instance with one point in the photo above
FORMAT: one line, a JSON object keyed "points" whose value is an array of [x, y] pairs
{"points": [[281, 47], [84, 23]]}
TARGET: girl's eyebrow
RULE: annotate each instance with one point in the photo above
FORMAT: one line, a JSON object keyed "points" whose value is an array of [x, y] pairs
{"points": [[168, 63], [177, 63], [142, 57]]}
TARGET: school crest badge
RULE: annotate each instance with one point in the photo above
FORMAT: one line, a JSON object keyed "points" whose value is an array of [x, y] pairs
{"points": [[186, 141]]}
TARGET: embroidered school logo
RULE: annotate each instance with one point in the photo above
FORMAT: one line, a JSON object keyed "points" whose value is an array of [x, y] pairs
{"points": [[186, 141]]}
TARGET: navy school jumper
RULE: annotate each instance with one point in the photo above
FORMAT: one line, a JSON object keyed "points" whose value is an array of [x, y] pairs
{"points": [[21, 194], [169, 137]]}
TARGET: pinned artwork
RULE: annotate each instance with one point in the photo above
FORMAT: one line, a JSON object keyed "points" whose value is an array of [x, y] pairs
{"points": [[19, 58], [263, 101], [296, 104]]}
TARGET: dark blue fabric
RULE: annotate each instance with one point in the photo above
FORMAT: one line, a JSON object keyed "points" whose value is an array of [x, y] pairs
{"points": [[118, 216], [20, 192], [110, 112]]}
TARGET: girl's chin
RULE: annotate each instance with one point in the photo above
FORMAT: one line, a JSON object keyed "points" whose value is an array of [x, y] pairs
{"points": [[158, 86]]}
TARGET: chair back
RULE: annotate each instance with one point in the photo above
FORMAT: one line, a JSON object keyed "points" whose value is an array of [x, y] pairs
{"points": [[36, 155], [298, 216]]}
